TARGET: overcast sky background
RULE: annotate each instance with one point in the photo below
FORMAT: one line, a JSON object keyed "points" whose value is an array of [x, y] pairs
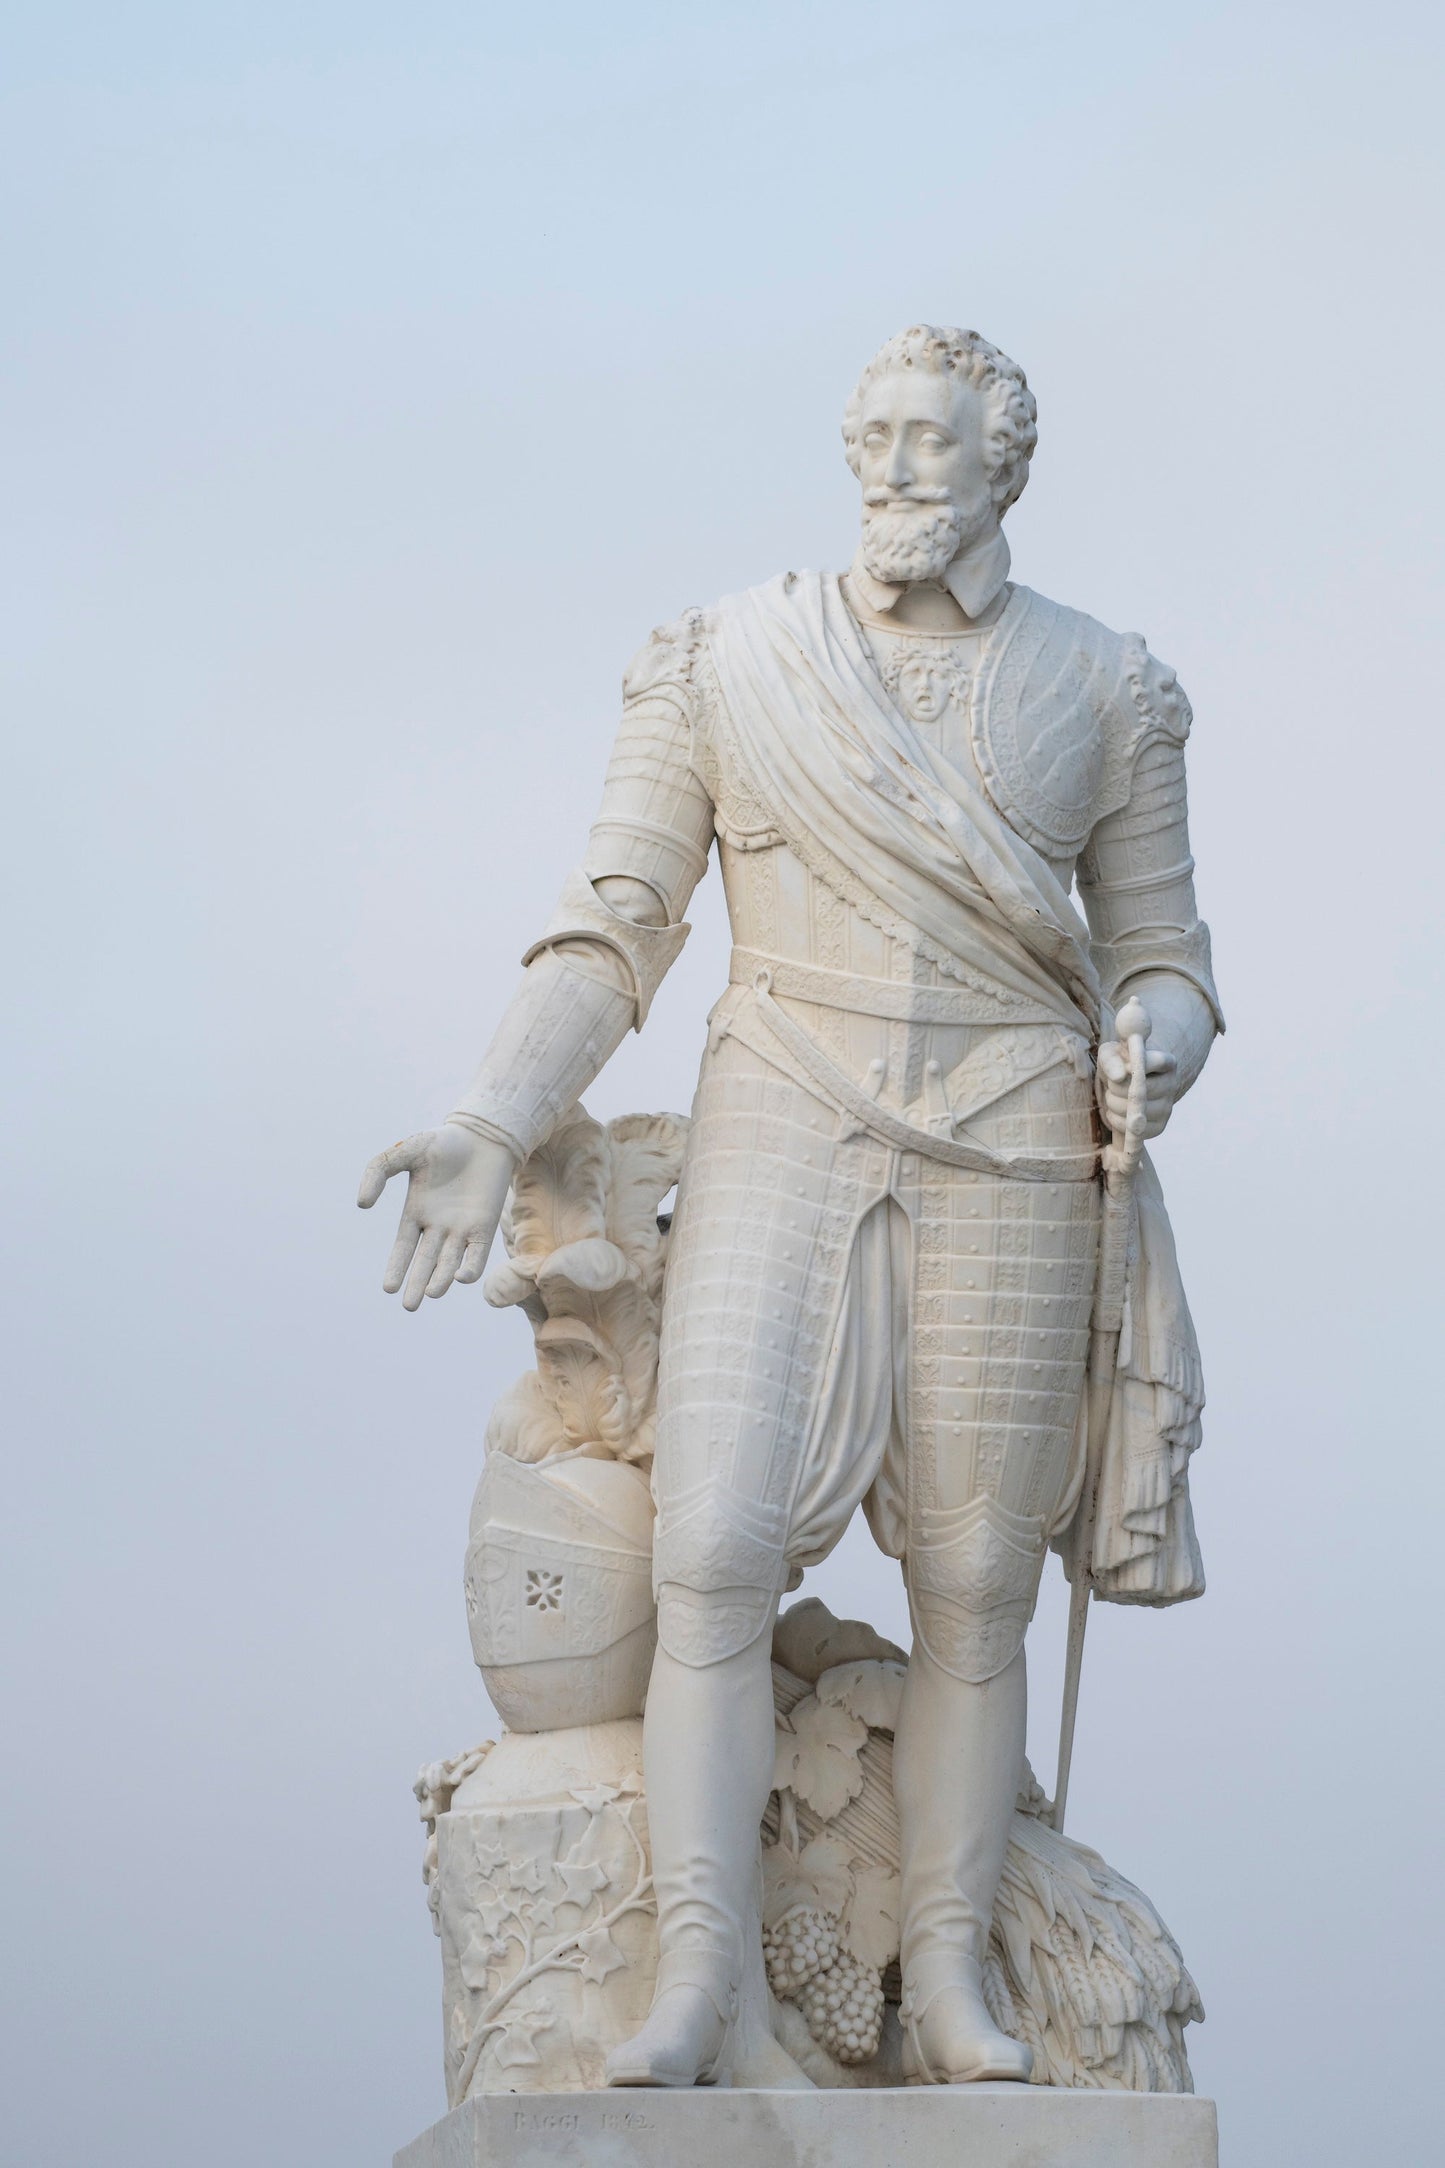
{"points": [[376, 378]]}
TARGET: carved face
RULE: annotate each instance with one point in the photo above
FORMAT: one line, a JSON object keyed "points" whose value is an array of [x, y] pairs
{"points": [[924, 467]]}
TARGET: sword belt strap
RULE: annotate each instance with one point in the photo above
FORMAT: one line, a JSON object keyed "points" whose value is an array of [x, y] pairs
{"points": [[878, 1121], [862, 995]]}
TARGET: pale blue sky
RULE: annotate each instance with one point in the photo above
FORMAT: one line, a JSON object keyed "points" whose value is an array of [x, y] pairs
{"points": [[375, 379]]}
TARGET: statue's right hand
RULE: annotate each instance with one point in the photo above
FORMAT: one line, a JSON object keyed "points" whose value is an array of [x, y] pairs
{"points": [[457, 1185]]}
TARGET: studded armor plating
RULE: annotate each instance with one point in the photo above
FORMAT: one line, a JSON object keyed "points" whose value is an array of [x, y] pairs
{"points": [[895, 1113], [782, 1404]]}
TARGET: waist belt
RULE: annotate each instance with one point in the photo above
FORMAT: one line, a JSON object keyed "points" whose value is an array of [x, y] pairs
{"points": [[865, 996], [840, 1091]]}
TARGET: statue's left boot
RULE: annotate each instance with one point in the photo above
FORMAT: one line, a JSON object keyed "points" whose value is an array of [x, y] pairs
{"points": [[949, 2038], [958, 1757]]}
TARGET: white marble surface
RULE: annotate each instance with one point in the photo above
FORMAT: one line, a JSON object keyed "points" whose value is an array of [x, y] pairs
{"points": [[982, 2126], [899, 1271]]}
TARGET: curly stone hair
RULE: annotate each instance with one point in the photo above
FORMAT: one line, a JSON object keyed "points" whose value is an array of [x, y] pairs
{"points": [[1013, 414]]}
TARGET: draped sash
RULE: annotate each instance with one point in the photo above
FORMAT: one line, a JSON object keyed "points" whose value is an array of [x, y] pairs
{"points": [[841, 769]]}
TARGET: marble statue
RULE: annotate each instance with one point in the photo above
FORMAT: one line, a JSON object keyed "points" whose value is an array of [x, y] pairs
{"points": [[920, 1262]]}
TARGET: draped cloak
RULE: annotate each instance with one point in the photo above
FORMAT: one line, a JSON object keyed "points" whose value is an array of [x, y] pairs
{"points": [[849, 782]]}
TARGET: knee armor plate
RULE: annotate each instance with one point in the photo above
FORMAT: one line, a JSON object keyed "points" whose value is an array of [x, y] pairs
{"points": [[718, 1565], [973, 1575]]}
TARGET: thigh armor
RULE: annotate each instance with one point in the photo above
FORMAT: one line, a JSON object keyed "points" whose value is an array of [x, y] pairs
{"points": [[847, 1322]]}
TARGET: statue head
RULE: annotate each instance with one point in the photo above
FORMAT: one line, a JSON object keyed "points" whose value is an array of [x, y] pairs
{"points": [[939, 430]]}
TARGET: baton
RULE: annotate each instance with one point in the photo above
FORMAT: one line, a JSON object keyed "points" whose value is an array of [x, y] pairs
{"points": [[1120, 1158]]}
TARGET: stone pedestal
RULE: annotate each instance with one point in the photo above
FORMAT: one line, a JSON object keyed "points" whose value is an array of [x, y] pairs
{"points": [[972, 2126]]}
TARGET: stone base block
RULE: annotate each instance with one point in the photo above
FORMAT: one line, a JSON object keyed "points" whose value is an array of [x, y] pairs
{"points": [[933, 2126]]}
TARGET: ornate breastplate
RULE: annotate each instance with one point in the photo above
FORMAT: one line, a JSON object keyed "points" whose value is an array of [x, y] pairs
{"points": [[1045, 722], [1039, 700]]}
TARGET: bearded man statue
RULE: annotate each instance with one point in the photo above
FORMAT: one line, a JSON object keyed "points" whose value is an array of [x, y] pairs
{"points": [[887, 1231]]}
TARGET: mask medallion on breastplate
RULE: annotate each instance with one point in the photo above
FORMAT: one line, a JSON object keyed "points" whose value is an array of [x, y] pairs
{"points": [[924, 681]]}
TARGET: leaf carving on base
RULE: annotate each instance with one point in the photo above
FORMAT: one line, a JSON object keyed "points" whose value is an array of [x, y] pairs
{"points": [[872, 1691], [871, 1920], [581, 1880], [817, 1756], [820, 1875], [516, 2046], [600, 1955]]}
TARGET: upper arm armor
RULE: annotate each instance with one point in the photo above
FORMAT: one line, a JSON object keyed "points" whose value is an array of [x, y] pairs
{"points": [[655, 824], [1136, 874]]}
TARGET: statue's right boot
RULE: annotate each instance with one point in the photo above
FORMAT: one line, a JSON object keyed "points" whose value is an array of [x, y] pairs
{"points": [[688, 2028], [707, 1759]]}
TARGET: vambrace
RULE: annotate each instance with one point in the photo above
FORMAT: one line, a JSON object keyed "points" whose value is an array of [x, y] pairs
{"points": [[646, 952], [560, 1027], [1158, 948], [973, 1576]]}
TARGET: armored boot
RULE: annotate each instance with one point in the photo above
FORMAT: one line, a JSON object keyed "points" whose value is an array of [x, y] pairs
{"points": [[958, 1758]]}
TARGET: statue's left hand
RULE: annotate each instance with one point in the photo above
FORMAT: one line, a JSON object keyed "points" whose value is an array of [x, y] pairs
{"points": [[1161, 1070]]}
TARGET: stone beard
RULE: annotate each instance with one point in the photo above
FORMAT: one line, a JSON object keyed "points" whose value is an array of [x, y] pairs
{"points": [[883, 1261], [909, 541]]}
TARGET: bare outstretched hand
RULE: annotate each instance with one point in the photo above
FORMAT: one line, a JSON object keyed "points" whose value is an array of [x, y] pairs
{"points": [[457, 1185]]}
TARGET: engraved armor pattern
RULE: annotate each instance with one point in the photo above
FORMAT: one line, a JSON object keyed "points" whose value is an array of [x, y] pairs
{"points": [[771, 1391], [1039, 718], [973, 1577], [647, 952], [671, 786], [716, 1537], [795, 1224], [547, 1575]]}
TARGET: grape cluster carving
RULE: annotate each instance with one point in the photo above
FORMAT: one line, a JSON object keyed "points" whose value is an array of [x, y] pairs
{"points": [[840, 1997]]}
